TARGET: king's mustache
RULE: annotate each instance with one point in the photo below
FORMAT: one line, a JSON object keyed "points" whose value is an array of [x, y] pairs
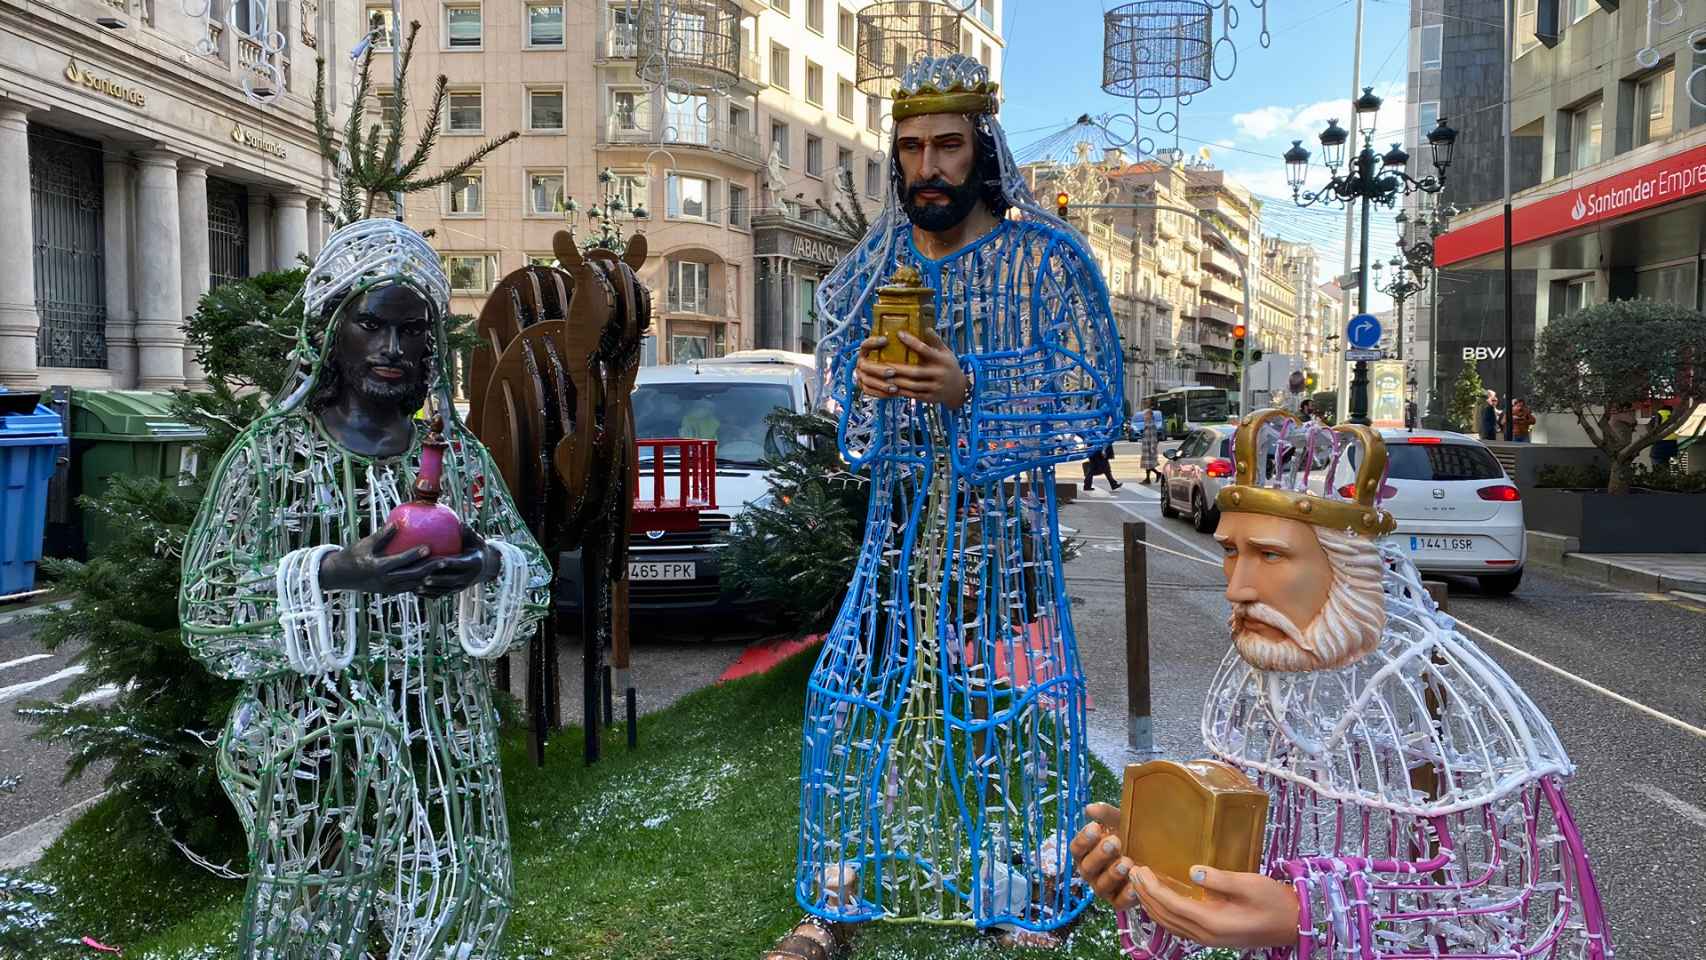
{"points": [[934, 183], [1262, 613]]}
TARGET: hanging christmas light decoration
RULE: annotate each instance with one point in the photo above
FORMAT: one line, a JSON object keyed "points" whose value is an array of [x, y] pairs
{"points": [[260, 48], [896, 33]]}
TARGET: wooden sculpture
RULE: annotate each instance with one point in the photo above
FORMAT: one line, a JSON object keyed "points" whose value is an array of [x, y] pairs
{"points": [[550, 390]]}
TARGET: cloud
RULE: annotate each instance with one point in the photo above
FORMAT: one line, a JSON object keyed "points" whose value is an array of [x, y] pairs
{"points": [[1265, 125]]}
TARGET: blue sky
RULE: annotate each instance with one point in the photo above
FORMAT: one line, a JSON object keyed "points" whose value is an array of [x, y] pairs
{"points": [[1287, 91]]}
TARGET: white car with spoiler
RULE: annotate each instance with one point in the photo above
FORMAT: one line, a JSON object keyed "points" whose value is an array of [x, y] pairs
{"points": [[1457, 511]]}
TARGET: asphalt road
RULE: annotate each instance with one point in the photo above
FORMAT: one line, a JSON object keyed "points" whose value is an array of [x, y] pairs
{"points": [[29, 673], [1639, 794]]}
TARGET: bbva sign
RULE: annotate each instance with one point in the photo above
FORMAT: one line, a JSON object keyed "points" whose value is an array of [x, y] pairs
{"points": [[1477, 354]]}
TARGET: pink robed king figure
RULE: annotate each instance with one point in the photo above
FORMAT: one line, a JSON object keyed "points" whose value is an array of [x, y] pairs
{"points": [[1416, 792]]}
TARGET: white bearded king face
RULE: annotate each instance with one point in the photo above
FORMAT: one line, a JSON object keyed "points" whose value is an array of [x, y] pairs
{"points": [[1303, 574]]}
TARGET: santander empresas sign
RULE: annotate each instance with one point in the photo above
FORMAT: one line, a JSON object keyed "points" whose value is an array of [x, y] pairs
{"points": [[1663, 181]]}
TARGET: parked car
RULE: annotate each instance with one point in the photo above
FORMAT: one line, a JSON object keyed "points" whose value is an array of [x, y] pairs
{"points": [[1193, 472], [1458, 512], [673, 573]]}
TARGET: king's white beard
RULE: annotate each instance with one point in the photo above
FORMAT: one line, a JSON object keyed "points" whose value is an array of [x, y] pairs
{"points": [[1347, 629]]}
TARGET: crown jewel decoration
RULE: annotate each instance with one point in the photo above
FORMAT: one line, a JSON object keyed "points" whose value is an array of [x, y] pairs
{"points": [[952, 84], [1274, 456]]}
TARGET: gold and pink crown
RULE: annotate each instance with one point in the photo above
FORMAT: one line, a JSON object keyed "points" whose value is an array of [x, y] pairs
{"points": [[1272, 469]]}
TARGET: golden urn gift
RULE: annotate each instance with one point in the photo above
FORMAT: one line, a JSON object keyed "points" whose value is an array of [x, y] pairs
{"points": [[1178, 815], [905, 304]]}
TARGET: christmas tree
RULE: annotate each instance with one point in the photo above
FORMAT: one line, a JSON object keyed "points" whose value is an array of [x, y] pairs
{"points": [[1467, 396]]}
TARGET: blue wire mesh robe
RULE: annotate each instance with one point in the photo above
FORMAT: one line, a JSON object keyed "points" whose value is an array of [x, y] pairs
{"points": [[944, 766]]}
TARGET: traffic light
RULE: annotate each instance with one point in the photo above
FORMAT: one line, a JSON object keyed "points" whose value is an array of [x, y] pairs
{"points": [[1238, 332], [1309, 381], [1060, 201]]}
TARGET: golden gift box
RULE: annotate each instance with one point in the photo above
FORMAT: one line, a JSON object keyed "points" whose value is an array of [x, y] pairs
{"points": [[1178, 815]]}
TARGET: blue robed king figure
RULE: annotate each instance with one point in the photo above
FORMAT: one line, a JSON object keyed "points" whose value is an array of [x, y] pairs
{"points": [[944, 766]]}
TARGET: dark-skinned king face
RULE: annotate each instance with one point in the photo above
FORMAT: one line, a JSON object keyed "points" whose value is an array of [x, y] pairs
{"points": [[382, 348], [938, 160]]}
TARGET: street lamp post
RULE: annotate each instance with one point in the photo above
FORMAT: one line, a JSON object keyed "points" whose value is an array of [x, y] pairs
{"points": [[1417, 250], [1373, 179]]}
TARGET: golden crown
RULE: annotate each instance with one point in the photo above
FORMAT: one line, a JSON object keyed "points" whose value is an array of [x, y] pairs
{"points": [[1249, 494], [952, 84]]}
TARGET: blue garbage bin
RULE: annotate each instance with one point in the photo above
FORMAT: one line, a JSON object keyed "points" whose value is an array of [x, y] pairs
{"points": [[31, 442]]}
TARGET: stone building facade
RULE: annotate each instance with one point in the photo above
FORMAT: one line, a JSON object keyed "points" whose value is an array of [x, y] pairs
{"points": [[151, 176]]}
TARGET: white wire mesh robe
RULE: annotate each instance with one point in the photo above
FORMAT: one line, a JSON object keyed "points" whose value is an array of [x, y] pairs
{"points": [[1482, 862], [371, 794], [944, 767]]}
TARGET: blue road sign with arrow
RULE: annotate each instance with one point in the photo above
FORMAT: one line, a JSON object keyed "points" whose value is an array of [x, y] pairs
{"points": [[1363, 332]]}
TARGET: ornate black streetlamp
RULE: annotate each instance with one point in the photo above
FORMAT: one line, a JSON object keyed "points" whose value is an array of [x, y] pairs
{"points": [[1373, 179]]}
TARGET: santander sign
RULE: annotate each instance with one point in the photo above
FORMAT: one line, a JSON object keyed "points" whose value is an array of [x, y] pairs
{"points": [[1667, 180]]}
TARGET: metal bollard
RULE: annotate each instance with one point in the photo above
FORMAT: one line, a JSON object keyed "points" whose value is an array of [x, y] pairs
{"points": [[1140, 729]]}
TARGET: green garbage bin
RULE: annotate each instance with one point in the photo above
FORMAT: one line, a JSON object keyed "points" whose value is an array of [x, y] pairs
{"points": [[128, 433]]}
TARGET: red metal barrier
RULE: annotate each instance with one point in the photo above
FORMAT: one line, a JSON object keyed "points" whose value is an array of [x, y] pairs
{"points": [[696, 485]]}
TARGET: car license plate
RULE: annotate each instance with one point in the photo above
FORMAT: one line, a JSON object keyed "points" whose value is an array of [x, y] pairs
{"points": [[654, 570], [1442, 544]]}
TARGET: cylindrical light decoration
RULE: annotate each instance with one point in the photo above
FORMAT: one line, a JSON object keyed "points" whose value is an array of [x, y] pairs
{"points": [[894, 33], [688, 46], [1158, 49]]}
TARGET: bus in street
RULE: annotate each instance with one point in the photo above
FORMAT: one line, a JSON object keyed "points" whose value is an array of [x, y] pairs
{"points": [[1184, 409]]}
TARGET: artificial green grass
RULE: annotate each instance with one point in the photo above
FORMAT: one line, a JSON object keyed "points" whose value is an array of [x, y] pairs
{"points": [[680, 850]]}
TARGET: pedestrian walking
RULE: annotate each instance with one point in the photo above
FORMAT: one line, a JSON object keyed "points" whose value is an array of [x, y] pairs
{"points": [[1151, 437], [1097, 465], [1490, 417], [1522, 417]]}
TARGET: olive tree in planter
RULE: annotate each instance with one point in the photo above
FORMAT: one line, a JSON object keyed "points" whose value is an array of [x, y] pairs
{"points": [[1605, 361]]}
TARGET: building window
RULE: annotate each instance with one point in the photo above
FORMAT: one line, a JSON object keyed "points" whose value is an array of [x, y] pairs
{"points": [[689, 197], [1578, 293], [541, 259], [1525, 17], [545, 192], [983, 54], [467, 112], [1584, 136], [986, 13], [739, 215], [545, 25], [873, 112], [814, 84], [1579, 9], [471, 272], [873, 178], [846, 29], [814, 16], [781, 5], [1427, 118], [467, 195], [462, 26], [814, 155], [779, 140], [384, 103], [844, 99], [621, 40], [1653, 107], [629, 110], [634, 190], [1673, 284], [689, 286], [965, 42], [545, 109], [387, 38], [779, 66], [843, 161], [739, 122], [1433, 37]]}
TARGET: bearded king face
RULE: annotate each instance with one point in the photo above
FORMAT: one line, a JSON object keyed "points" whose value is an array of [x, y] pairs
{"points": [[1303, 597]]}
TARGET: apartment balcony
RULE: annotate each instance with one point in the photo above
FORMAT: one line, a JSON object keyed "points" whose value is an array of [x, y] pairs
{"points": [[1191, 278], [1167, 263], [1215, 313], [618, 44], [679, 130], [1212, 336], [696, 304], [1219, 260], [1165, 229], [1212, 285], [1192, 241]]}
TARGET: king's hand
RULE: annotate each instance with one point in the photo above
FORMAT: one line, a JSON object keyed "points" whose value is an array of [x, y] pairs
{"points": [[364, 566], [1241, 910], [936, 377]]}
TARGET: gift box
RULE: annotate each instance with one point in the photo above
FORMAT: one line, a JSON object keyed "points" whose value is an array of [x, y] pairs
{"points": [[1178, 815]]}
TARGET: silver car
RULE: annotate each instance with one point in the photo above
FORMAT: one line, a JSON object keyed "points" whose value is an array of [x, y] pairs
{"points": [[1192, 474]]}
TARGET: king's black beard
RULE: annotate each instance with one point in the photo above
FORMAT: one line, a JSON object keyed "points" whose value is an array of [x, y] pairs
{"points": [[935, 218], [338, 374]]}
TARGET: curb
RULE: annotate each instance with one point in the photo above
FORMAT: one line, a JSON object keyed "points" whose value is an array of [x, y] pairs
{"points": [[1560, 553], [25, 845]]}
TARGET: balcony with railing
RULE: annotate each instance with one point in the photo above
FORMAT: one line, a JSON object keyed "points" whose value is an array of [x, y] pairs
{"points": [[679, 129], [1168, 262], [1216, 313], [1191, 278], [1192, 240], [1219, 260], [1215, 286], [617, 43]]}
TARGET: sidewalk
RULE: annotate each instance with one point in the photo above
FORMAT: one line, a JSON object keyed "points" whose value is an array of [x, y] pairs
{"points": [[1657, 572]]}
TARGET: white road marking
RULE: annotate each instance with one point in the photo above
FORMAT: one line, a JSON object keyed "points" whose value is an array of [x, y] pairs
{"points": [[1158, 525], [1683, 725], [1664, 798], [32, 658], [1692, 596], [33, 611], [19, 689]]}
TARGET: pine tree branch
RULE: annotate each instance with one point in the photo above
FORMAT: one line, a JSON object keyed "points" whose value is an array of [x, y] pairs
{"points": [[429, 131], [461, 168], [394, 145]]}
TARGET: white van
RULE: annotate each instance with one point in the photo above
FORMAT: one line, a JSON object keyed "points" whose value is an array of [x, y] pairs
{"points": [[727, 399]]}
